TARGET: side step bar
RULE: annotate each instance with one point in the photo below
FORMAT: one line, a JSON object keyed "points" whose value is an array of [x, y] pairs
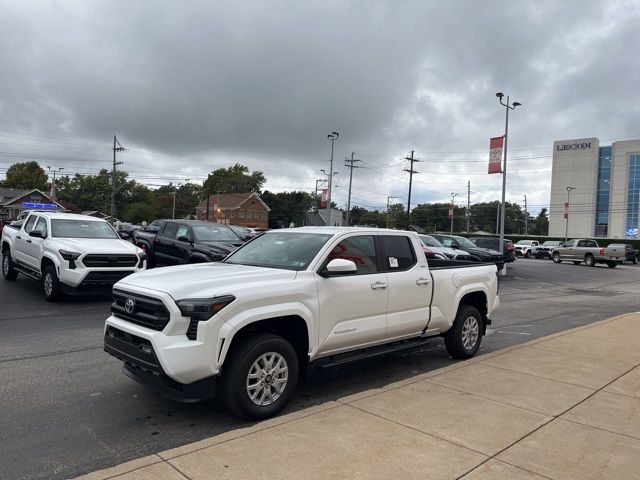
{"points": [[28, 272], [371, 352]]}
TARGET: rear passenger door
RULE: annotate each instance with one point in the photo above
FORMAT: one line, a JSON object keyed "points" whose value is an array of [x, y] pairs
{"points": [[164, 243], [410, 286]]}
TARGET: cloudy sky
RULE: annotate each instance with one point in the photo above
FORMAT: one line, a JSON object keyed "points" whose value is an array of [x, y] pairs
{"points": [[190, 86]]}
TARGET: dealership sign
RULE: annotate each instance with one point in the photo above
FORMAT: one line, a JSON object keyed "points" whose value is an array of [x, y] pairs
{"points": [[573, 146], [495, 154], [39, 206]]}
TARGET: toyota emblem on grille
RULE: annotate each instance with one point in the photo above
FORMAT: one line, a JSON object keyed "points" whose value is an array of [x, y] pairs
{"points": [[129, 305]]}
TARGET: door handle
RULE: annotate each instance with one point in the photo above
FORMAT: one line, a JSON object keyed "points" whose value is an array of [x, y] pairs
{"points": [[28, 241], [377, 285], [423, 281]]}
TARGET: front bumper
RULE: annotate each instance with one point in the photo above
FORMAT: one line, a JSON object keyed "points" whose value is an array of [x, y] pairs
{"points": [[142, 365]]}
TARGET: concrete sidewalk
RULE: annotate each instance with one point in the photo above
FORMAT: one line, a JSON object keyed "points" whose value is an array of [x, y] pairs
{"points": [[562, 407]]}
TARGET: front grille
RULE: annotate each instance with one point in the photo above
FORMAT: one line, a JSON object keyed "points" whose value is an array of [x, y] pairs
{"points": [[106, 260], [147, 311], [131, 349], [105, 278]]}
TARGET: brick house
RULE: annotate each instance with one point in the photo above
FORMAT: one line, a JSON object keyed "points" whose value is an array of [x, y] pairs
{"points": [[14, 200], [244, 209]]}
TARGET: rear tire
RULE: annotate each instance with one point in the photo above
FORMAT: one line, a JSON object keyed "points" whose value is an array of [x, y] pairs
{"points": [[463, 338], [527, 254], [612, 264], [589, 260], [8, 270], [252, 385], [51, 284], [556, 258]]}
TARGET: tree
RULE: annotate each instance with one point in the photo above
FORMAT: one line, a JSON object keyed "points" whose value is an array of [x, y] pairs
{"points": [[26, 175], [234, 179], [540, 224], [286, 207]]}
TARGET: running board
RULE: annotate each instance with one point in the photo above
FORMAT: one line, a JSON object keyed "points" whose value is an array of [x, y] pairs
{"points": [[371, 352], [28, 272]]}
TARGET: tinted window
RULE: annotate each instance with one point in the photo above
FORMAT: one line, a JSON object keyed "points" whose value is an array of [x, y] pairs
{"points": [[398, 253], [170, 230], [30, 222], [360, 250], [183, 231], [214, 233]]}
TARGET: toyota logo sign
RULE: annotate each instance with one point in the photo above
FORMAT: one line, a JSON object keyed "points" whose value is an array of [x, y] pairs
{"points": [[129, 305]]}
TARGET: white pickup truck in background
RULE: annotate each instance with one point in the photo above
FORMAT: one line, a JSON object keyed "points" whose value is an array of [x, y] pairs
{"points": [[287, 301], [67, 253]]}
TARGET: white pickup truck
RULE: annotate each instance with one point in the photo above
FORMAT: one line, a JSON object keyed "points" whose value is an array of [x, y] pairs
{"points": [[289, 300], [68, 253]]}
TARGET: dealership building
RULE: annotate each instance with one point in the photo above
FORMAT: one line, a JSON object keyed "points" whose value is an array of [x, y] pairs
{"points": [[595, 190]]}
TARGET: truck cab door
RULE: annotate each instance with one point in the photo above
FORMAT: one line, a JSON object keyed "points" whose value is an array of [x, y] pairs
{"points": [[163, 243], [23, 242], [410, 286], [353, 307], [34, 245], [181, 251]]}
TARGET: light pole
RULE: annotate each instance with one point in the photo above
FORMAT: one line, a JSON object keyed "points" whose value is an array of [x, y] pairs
{"points": [[319, 180], [388, 198], [175, 190], [333, 136], [566, 214], [453, 199], [329, 176], [504, 169], [53, 184]]}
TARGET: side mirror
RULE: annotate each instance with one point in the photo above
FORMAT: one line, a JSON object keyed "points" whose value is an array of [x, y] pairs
{"points": [[124, 235], [183, 238], [340, 266], [35, 233]]}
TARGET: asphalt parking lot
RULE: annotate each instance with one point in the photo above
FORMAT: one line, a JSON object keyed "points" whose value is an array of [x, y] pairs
{"points": [[67, 409]]}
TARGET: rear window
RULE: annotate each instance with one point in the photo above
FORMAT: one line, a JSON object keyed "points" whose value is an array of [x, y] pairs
{"points": [[398, 253]]}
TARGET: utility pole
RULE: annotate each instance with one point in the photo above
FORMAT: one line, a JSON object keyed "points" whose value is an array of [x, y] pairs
{"points": [[116, 148], [526, 218], [53, 184], [333, 136], [351, 166], [453, 204], [388, 198], [175, 190], [411, 172], [566, 214], [468, 203], [208, 203]]}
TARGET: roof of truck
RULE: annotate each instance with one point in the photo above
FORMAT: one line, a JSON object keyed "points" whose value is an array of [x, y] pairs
{"points": [[67, 216]]}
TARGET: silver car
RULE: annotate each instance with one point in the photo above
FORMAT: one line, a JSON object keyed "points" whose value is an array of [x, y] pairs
{"points": [[438, 248]]}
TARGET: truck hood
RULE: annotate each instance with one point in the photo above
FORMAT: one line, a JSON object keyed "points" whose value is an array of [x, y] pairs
{"points": [[203, 279], [94, 245]]}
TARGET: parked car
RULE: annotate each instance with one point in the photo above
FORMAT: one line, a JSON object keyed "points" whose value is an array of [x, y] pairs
{"points": [[127, 231], [433, 248], [630, 253], [154, 226], [187, 241], [476, 253], [544, 250], [286, 303], [493, 243], [68, 253], [526, 248], [589, 252], [244, 233]]}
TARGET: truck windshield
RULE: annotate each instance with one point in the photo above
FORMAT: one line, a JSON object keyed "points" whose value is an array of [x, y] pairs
{"points": [[81, 229], [429, 241], [290, 251], [214, 233]]}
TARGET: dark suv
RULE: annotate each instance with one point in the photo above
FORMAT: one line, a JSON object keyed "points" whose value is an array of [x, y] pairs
{"points": [[492, 243]]}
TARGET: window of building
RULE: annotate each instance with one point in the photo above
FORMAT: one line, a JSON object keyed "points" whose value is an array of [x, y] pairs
{"points": [[241, 214], [633, 196], [604, 190], [249, 215]]}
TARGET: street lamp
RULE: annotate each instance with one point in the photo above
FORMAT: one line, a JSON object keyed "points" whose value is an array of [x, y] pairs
{"points": [[508, 107], [453, 199], [329, 176], [175, 190], [333, 136], [566, 214]]}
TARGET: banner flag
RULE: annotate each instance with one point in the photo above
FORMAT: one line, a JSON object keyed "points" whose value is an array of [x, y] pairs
{"points": [[495, 154], [323, 198]]}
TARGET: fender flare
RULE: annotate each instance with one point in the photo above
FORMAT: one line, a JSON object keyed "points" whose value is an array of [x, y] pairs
{"points": [[245, 318], [54, 258]]}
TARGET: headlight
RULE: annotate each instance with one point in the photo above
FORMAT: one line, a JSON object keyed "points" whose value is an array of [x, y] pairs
{"points": [[201, 309], [71, 257]]}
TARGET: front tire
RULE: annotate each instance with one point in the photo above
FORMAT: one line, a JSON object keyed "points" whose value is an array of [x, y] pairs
{"points": [[612, 264], [589, 260], [527, 254], [8, 270], [556, 258], [463, 339], [51, 284], [259, 376]]}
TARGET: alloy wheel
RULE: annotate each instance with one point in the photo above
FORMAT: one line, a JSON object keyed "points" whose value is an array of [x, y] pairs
{"points": [[470, 331], [267, 378]]}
